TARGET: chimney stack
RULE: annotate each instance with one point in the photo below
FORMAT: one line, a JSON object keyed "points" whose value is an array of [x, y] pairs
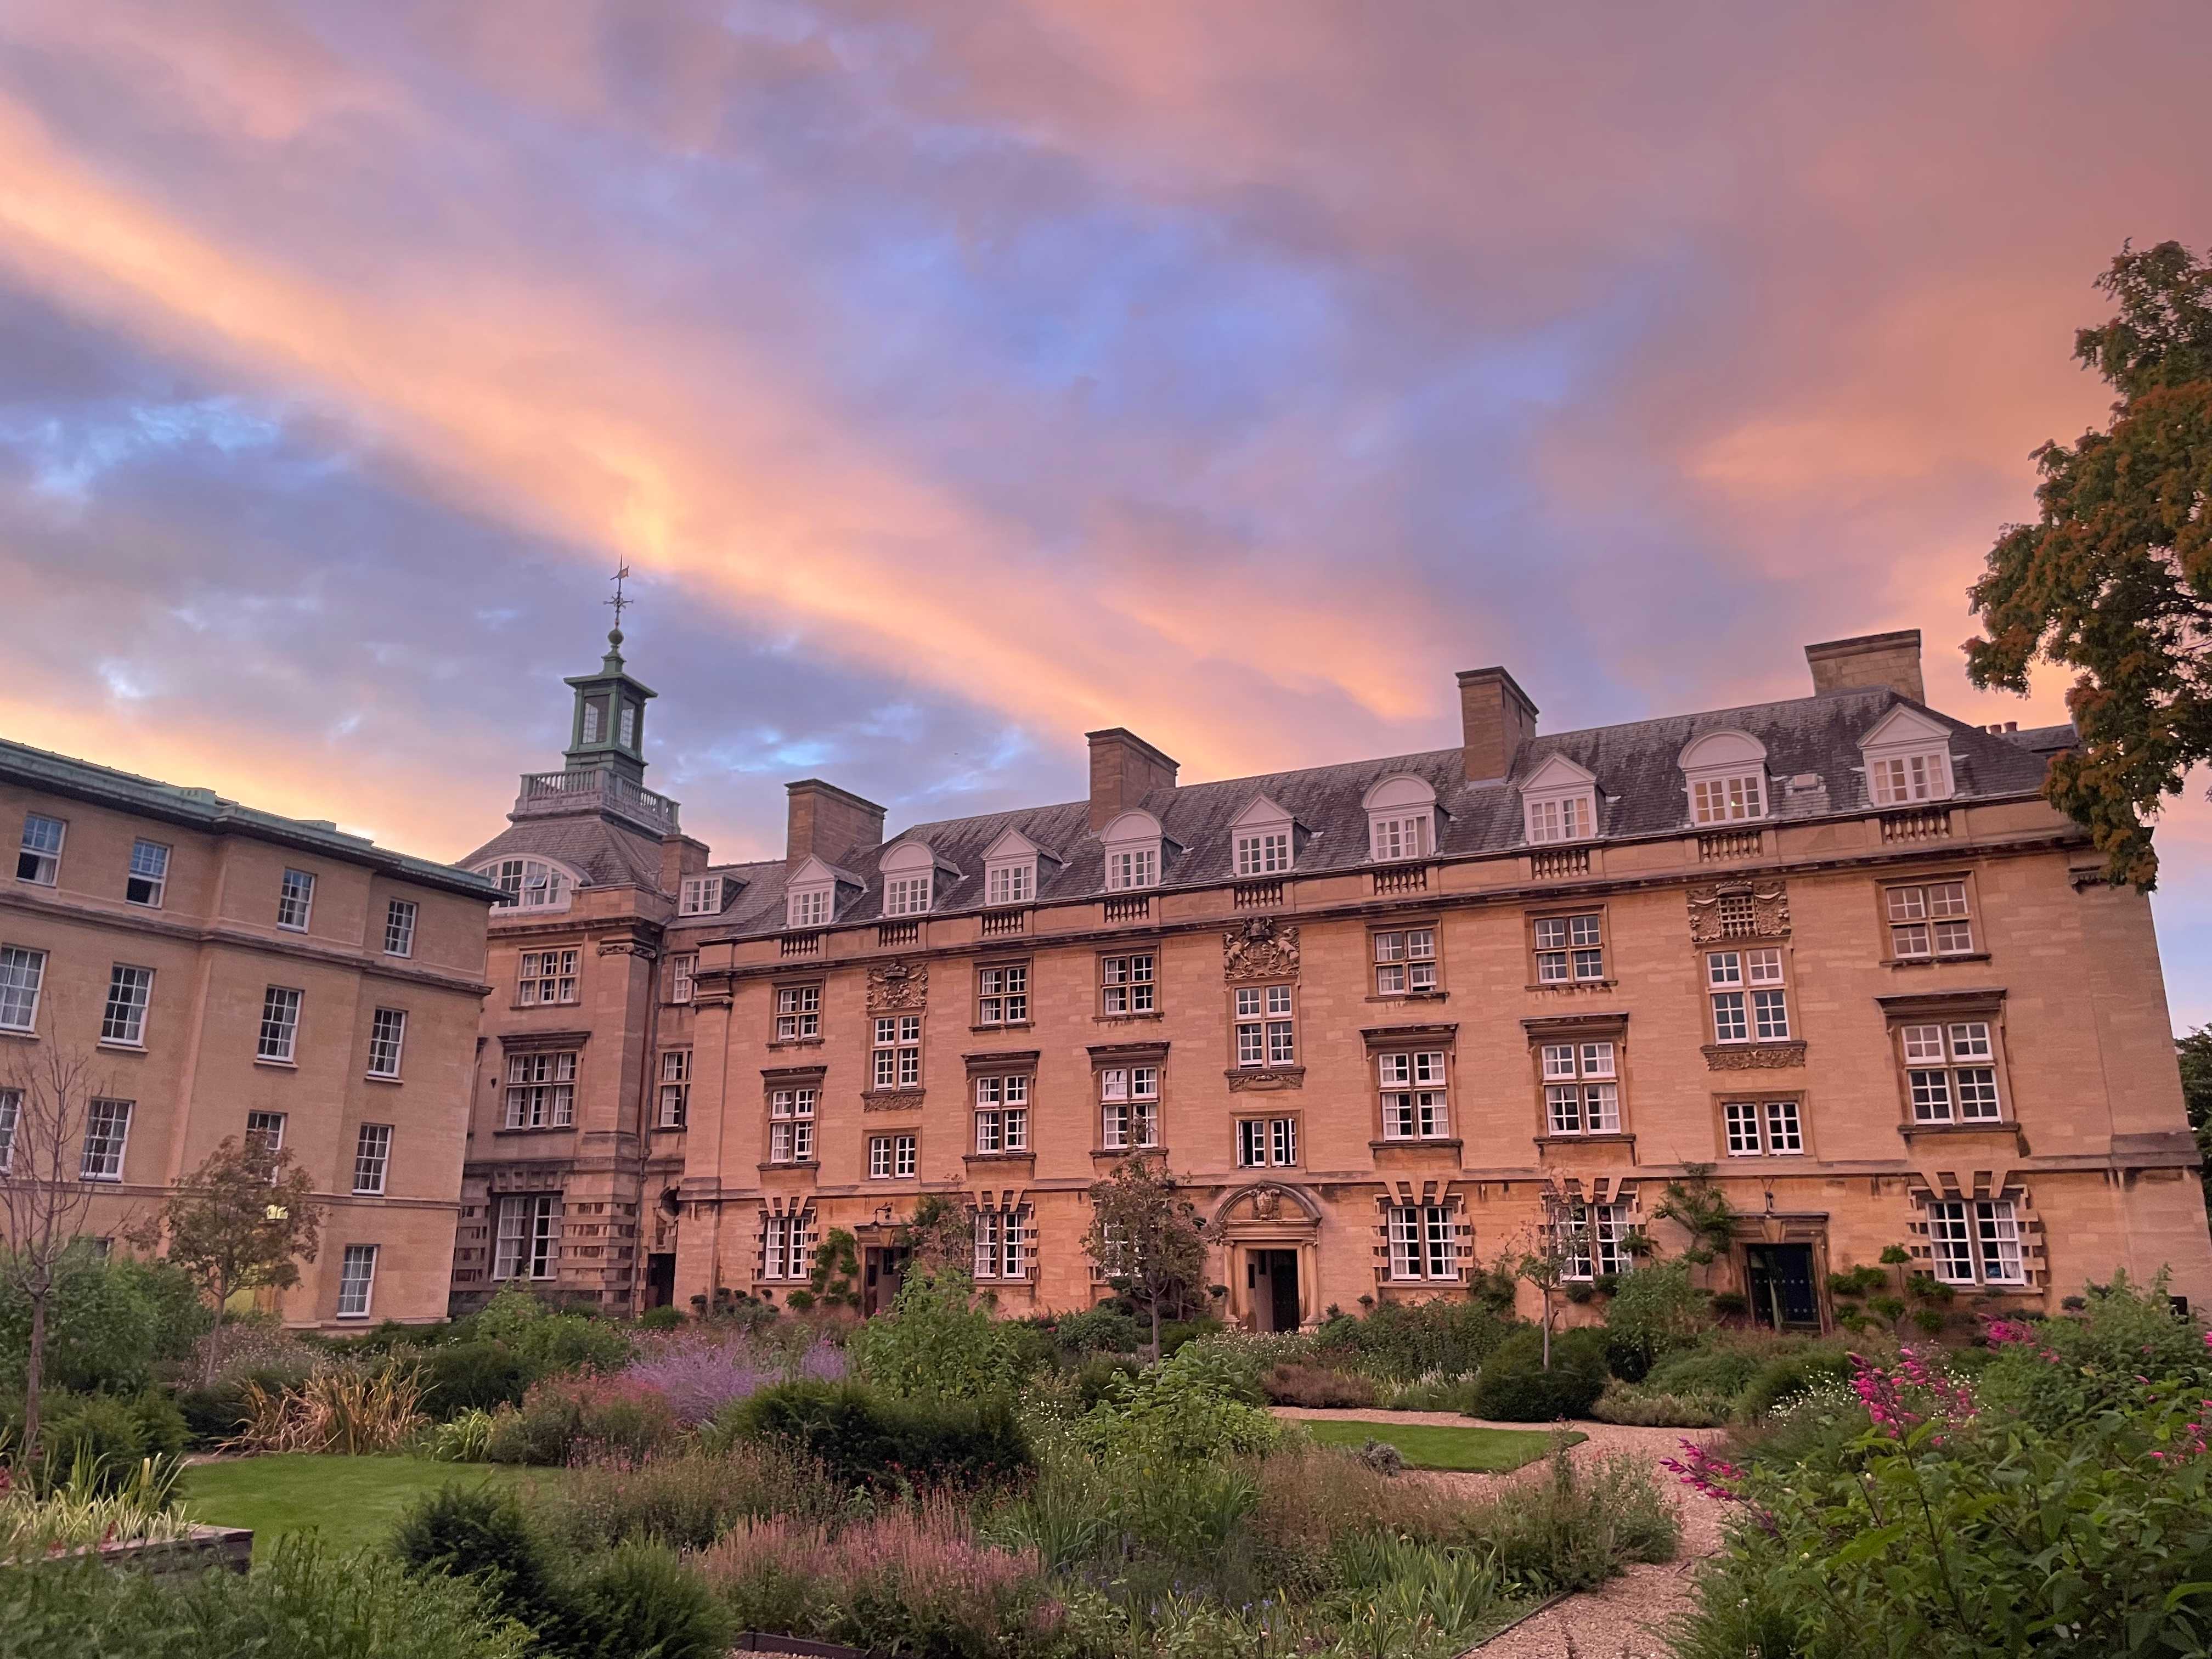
{"points": [[1496, 718], [1124, 770], [829, 822], [1890, 660]]}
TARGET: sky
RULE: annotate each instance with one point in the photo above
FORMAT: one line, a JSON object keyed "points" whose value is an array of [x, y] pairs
{"points": [[957, 378]]}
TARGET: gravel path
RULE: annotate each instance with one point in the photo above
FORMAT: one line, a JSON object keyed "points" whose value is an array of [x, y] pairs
{"points": [[1616, 1620]]}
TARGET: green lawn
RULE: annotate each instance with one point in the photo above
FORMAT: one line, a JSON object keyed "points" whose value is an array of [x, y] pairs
{"points": [[353, 1501], [1432, 1446]]}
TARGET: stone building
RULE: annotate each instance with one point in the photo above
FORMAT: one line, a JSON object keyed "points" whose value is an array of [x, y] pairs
{"points": [[1388, 1020], [231, 974]]}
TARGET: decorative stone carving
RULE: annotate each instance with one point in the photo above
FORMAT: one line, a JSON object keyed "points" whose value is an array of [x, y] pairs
{"points": [[891, 1100], [1752, 1056], [894, 987], [625, 945], [1261, 948], [1724, 910], [1263, 1078]]}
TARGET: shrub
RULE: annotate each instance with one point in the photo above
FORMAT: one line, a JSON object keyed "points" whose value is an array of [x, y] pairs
{"points": [[685, 1502], [1574, 1530], [864, 1436], [1196, 1405], [1787, 1376], [660, 1319], [1719, 1372], [1645, 1407], [1400, 1341], [906, 1582], [1096, 1376], [1433, 1394], [1505, 1395], [547, 1339], [1380, 1456], [2055, 1371], [564, 1418], [101, 1333], [473, 1376], [107, 1433], [699, 1372], [934, 1341], [341, 1409], [1178, 1332], [1655, 1311], [303, 1604], [462, 1439], [1315, 1385], [1099, 1330], [483, 1536], [639, 1603]]}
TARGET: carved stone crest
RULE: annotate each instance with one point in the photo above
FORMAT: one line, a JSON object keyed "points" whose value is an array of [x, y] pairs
{"points": [[1261, 948], [1752, 1057], [895, 985], [1723, 910]]}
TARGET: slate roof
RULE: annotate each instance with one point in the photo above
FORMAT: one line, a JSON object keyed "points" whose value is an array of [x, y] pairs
{"points": [[602, 850], [1812, 758], [204, 810]]}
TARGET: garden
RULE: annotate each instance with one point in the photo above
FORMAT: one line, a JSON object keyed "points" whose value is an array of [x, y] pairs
{"points": [[1131, 1482]]}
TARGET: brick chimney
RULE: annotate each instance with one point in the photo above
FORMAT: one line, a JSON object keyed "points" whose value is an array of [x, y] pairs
{"points": [[827, 822], [1124, 770], [680, 856], [1890, 660], [1496, 718]]}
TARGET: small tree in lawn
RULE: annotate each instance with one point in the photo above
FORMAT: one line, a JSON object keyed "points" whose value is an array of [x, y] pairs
{"points": [[1146, 1237], [242, 1221], [45, 1098]]}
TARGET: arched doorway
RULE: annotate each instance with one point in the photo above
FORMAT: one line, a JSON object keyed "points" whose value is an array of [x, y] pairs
{"points": [[1268, 1232]]}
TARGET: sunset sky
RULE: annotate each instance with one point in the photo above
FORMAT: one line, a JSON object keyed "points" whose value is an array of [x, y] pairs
{"points": [[960, 377]]}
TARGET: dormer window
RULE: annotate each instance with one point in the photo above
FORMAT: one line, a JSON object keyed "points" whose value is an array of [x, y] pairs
{"points": [[1009, 869], [810, 895], [1134, 844], [1726, 775], [1401, 819], [1559, 802], [528, 884], [701, 896], [1262, 839], [910, 870], [1908, 759]]}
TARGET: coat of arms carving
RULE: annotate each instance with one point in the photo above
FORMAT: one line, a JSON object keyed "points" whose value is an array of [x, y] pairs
{"points": [[1739, 909], [1261, 948], [895, 985]]}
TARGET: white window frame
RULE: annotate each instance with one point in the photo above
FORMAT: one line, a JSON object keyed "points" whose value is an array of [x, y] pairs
{"points": [[1929, 921], [107, 1135], [1264, 853], [1265, 1025], [1596, 1243], [1424, 1243], [372, 1158], [1135, 852], [1725, 779], [1569, 949], [700, 896], [22, 981], [799, 1012], [1002, 1115], [683, 976], [540, 1089], [1556, 818], [1009, 881], [546, 979], [896, 1052], [1582, 1087], [266, 1131], [278, 1043], [39, 860], [1129, 1107], [295, 901], [529, 884], [1415, 1089], [907, 896], [1003, 1251], [399, 919], [1976, 1241], [1266, 1143], [674, 1109], [387, 1043], [1763, 1128], [1128, 984], [123, 1019], [1909, 778], [526, 1236], [357, 1281], [1950, 1064], [1749, 995], [11, 1114], [1401, 819], [1405, 961], [1002, 994], [787, 1246], [792, 1113], [809, 906], [150, 867]]}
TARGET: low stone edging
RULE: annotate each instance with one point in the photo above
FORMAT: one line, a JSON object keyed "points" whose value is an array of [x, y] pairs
{"points": [[230, 1548]]}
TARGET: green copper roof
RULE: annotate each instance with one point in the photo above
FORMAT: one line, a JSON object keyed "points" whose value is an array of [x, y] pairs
{"points": [[205, 810]]}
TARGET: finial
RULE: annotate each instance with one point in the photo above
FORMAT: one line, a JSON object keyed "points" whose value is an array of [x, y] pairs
{"points": [[622, 575]]}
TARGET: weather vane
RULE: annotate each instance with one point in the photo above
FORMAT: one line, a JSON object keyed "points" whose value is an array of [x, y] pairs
{"points": [[618, 602]]}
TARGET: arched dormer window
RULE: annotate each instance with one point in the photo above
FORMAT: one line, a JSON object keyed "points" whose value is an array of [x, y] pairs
{"points": [[1262, 839], [530, 883], [1133, 843], [1401, 819], [1908, 759], [1725, 773], [909, 879], [1558, 802]]}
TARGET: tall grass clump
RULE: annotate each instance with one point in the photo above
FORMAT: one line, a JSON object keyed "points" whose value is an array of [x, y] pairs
{"points": [[340, 1409]]}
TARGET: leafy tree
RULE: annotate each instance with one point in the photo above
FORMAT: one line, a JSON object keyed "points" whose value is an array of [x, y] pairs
{"points": [[935, 1340], [2114, 578], [2196, 1055], [44, 1094], [240, 1221], [941, 1233], [1701, 1209], [1546, 1258], [1146, 1238]]}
